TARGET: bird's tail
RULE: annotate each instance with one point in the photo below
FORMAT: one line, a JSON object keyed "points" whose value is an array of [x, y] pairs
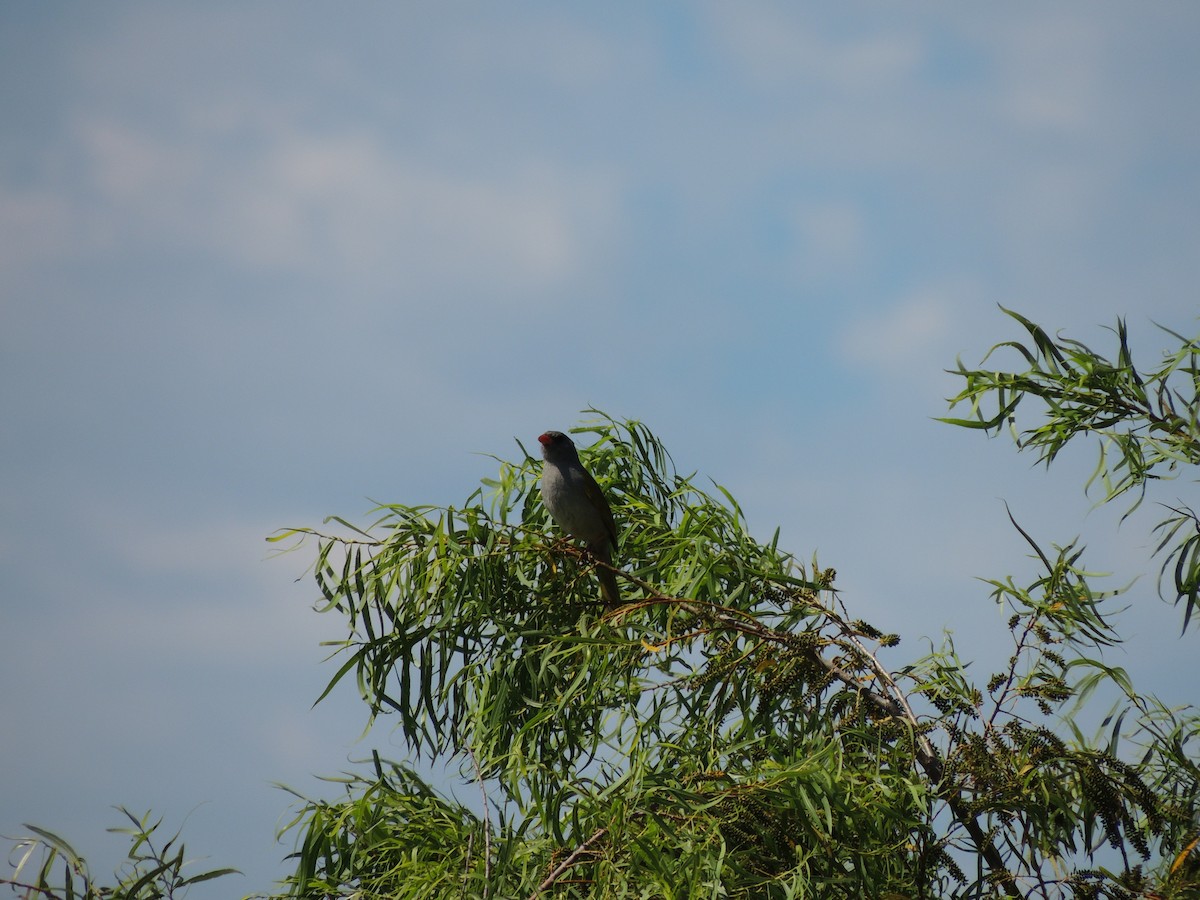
{"points": [[608, 579], [608, 587]]}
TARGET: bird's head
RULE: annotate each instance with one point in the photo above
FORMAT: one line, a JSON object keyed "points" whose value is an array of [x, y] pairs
{"points": [[557, 447]]}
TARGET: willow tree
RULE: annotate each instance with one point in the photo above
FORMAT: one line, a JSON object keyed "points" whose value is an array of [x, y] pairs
{"points": [[731, 730]]}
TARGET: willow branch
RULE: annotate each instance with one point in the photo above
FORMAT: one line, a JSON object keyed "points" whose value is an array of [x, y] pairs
{"points": [[567, 863], [897, 705]]}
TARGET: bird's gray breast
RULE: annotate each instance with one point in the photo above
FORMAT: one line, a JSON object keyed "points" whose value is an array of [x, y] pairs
{"points": [[564, 491]]}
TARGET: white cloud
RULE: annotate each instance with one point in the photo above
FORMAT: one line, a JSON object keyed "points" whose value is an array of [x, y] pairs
{"points": [[347, 206], [907, 332], [347, 197], [775, 44]]}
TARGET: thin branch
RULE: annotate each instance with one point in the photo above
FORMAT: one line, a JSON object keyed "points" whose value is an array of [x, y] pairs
{"points": [[30, 887], [467, 862], [567, 863], [735, 620], [487, 825]]}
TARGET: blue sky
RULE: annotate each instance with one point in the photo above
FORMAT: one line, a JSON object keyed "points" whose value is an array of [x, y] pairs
{"points": [[261, 262]]}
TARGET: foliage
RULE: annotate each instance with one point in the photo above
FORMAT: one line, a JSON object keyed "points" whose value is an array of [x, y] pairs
{"points": [[688, 721], [1146, 424], [730, 731], [46, 866]]}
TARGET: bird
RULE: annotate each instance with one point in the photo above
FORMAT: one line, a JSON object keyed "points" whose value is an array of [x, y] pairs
{"points": [[579, 507]]}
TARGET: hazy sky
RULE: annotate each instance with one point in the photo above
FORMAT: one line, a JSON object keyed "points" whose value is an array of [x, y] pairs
{"points": [[262, 262]]}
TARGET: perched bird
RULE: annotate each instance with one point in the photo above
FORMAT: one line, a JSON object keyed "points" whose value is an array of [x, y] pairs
{"points": [[577, 504]]}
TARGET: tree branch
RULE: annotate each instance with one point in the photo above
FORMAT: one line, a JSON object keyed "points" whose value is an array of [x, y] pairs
{"points": [[926, 755], [567, 863]]}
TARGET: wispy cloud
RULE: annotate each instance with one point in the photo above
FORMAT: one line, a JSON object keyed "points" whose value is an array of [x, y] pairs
{"points": [[907, 332], [780, 45], [348, 206]]}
